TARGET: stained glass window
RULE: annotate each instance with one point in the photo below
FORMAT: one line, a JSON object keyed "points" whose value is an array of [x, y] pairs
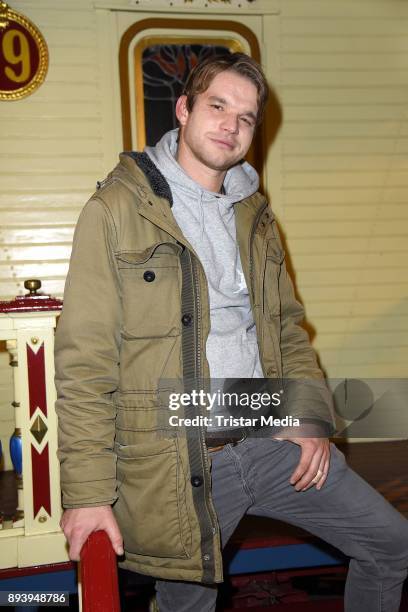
{"points": [[165, 70]]}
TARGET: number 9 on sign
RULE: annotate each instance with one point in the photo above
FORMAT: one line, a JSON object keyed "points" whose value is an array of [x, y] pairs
{"points": [[23, 55], [16, 52]]}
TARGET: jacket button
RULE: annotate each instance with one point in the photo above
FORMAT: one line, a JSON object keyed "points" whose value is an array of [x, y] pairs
{"points": [[149, 276], [196, 481], [186, 320]]}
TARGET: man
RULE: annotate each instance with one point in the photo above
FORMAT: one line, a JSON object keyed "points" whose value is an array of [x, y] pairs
{"points": [[177, 273]]}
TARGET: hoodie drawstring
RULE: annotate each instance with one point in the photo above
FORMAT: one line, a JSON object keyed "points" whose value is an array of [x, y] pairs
{"points": [[201, 207]]}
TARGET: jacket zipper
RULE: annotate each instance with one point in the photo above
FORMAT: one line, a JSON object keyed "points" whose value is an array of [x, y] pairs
{"points": [[213, 519]]}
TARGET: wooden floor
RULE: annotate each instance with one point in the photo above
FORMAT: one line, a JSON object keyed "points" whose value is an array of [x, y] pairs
{"points": [[385, 466]]}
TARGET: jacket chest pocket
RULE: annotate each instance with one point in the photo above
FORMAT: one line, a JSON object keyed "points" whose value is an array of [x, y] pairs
{"points": [[274, 257], [151, 291]]}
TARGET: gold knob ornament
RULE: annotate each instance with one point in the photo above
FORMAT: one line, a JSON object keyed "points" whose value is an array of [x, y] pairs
{"points": [[33, 284]]}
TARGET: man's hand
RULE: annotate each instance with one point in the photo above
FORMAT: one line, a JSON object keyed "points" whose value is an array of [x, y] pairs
{"points": [[314, 463], [78, 523]]}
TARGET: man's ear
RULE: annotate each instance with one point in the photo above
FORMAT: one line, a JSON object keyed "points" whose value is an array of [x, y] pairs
{"points": [[181, 110]]}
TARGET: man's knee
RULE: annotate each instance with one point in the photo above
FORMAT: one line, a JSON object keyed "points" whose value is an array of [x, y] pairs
{"points": [[396, 540], [389, 546]]}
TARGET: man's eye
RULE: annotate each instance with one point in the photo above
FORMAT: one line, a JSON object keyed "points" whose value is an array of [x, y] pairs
{"points": [[217, 106], [247, 121]]}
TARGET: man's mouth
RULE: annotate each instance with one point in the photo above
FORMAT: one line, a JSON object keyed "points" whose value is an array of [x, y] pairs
{"points": [[225, 144]]}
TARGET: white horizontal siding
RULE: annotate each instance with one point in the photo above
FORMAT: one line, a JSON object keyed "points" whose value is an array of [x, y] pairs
{"points": [[51, 151], [344, 93]]}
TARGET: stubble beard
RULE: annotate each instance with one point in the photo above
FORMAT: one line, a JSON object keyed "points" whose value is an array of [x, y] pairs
{"points": [[221, 166], [197, 149]]}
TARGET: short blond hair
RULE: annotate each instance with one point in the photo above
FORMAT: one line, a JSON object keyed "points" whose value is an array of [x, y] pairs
{"points": [[203, 73]]}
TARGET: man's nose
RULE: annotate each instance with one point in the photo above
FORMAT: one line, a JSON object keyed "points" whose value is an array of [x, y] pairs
{"points": [[230, 124]]}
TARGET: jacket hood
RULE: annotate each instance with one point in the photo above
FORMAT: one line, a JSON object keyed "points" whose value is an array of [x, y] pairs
{"points": [[241, 181]]}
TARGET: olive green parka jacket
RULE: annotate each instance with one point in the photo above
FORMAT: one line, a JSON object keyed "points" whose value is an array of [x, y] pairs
{"points": [[122, 331]]}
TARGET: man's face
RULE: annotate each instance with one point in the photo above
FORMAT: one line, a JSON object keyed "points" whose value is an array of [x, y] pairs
{"points": [[218, 131]]}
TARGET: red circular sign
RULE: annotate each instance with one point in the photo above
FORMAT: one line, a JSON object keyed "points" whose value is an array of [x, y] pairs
{"points": [[23, 56]]}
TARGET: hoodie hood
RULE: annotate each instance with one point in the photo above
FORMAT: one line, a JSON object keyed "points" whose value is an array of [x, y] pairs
{"points": [[241, 181]]}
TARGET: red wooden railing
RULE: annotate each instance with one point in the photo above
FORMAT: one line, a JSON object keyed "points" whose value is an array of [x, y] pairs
{"points": [[99, 575]]}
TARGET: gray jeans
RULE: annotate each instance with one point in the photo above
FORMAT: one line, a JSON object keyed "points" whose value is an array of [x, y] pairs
{"points": [[253, 478]]}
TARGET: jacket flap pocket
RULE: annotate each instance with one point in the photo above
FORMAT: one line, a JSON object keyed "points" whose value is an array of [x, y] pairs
{"points": [[141, 257]]}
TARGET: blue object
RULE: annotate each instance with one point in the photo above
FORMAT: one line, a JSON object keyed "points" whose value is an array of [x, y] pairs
{"points": [[269, 558], [16, 453]]}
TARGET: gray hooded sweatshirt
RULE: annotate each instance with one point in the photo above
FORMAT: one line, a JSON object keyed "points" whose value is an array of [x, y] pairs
{"points": [[208, 222]]}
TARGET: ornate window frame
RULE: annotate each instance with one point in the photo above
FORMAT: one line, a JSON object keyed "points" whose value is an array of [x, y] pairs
{"points": [[188, 25]]}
